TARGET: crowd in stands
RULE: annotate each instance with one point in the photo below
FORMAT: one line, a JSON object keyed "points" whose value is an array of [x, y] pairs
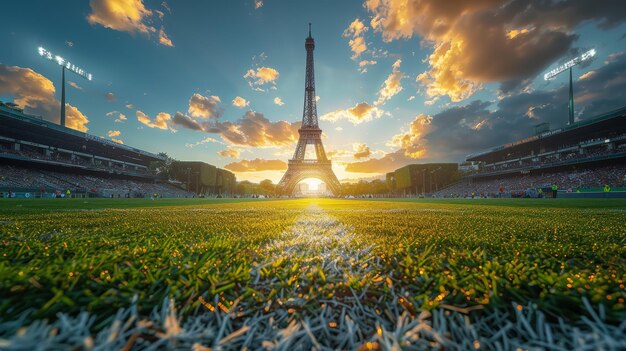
{"points": [[553, 159], [66, 158], [571, 181], [48, 182]]}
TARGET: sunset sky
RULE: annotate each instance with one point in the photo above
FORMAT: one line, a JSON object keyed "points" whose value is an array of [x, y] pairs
{"points": [[399, 81]]}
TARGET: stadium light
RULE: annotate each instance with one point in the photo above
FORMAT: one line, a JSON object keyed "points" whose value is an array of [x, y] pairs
{"points": [[65, 64], [568, 66]]}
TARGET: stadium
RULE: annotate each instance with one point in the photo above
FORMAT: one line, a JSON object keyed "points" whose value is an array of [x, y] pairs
{"points": [[240, 224], [41, 159], [584, 160]]}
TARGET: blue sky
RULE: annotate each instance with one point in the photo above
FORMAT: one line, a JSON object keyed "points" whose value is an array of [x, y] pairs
{"points": [[214, 44]]}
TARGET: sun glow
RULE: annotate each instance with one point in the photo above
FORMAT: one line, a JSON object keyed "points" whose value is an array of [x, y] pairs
{"points": [[313, 183]]}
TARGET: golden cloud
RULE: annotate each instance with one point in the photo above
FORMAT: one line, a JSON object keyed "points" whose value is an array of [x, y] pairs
{"points": [[75, 119], [126, 16], [230, 152], [164, 39], [387, 163], [160, 121], [364, 63], [35, 93], [278, 101], [262, 75], [357, 42], [256, 165], [465, 36], [411, 143], [113, 133], [120, 116], [361, 112], [122, 15], [240, 102], [253, 129], [204, 106], [117, 141], [361, 151], [392, 85], [201, 142]]}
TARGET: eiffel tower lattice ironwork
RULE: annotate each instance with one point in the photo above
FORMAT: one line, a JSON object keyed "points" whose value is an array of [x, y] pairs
{"points": [[299, 167]]}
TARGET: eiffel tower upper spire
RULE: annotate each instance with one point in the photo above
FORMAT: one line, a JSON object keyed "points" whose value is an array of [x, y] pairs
{"points": [[309, 115]]}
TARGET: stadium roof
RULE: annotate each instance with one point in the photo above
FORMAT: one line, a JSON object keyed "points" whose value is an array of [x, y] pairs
{"points": [[608, 122], [17, 125]]}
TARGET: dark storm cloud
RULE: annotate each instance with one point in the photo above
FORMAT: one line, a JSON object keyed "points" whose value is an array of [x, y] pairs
{"points": [[462, 130], [184, 121]]}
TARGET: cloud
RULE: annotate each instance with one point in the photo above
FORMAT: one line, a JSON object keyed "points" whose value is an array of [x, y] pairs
{"points": [[204, 106], [478, 42], [74, 119], [113, 133], [253, 129], [411, 142], [364, 63], [120, 116], [240, 102], [261, 76], [122, 15], [337, 154], [202, 142], [355, 31], [110, 97], [256, 165], [74, 85], [387, 163], [258, 4], [458, 131], [35, 93], [392, 85], [117, 141], [361, 112], [278, 101], [361, 151], [160, 121], [230, 152], [164, 39], [129, 106], [126, 16]]}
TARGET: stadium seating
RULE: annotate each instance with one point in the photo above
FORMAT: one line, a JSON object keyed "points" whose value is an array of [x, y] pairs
{"points": [[14, 178], [586, 178]]}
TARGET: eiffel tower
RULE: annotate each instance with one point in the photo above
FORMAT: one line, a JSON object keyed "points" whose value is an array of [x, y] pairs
{"points": [[300, 168]]}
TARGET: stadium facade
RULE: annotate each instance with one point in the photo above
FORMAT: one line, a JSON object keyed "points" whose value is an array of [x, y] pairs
{"points": [[41, 158], [584, 159], [596, 141], [203, 178], [421, 178]]}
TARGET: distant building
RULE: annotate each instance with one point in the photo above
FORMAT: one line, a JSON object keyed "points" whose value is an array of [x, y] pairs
{"points": [[203, 178], [421, 178]]}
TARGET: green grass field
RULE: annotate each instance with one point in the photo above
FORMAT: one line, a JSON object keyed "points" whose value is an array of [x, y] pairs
{"points": [[317, 273]]}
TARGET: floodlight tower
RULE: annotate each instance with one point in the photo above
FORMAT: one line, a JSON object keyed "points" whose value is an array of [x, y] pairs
{"points": [[65, 64], [568, 66]]}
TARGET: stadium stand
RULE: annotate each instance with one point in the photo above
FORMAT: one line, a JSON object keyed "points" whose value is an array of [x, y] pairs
{"points": [[39, 158], [586, 157]]}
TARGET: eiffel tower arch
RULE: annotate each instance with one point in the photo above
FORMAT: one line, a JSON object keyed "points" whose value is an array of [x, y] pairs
{"points": [[299, 167]]}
